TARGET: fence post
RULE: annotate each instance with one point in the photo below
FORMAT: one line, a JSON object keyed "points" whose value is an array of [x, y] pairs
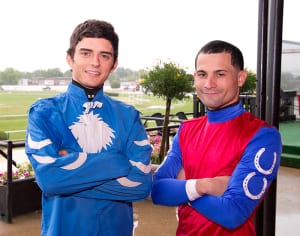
{"points": [[9, 182]]}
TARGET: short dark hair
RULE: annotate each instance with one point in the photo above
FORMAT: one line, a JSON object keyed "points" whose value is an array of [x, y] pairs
{"points": [[94, 29], [218, 46]]}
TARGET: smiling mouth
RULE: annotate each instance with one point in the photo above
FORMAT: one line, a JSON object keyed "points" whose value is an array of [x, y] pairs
{"points": [[209, 92], [95, 73]]}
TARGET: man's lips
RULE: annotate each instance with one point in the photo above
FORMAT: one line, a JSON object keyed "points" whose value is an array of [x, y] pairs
{"points": [[209, 92], [94, 73]]}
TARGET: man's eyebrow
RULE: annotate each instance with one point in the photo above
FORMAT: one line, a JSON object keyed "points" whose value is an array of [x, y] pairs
{"points": [[215, 71], [200, 71], [85, 49]]}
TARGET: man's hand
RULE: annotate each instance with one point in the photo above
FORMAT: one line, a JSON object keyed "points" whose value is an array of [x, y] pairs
{"points": [[63, 152], [213, 186]]}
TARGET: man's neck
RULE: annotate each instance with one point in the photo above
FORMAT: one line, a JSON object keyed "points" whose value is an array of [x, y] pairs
{"points": [[90, 92]]}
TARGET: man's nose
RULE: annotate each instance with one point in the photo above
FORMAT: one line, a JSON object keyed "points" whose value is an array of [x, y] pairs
{"points": [[210, 82]]}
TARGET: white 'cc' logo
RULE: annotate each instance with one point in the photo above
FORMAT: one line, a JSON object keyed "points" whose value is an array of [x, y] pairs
{"points": [[261, 170]]}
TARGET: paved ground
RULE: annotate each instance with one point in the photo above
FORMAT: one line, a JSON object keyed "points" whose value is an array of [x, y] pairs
{"points": [[161, 221], [288, 202]]}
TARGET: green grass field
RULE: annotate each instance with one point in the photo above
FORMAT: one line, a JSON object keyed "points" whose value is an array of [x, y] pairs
{"points": [[14, 108]]}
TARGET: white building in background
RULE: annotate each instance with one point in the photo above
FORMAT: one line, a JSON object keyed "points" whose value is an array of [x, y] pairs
{"points": [[50, 81], [290, 65], [58, 84]]}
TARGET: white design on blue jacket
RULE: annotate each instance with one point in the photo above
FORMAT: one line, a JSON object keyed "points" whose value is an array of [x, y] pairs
{"points": [[90, 125], [260, 170]]}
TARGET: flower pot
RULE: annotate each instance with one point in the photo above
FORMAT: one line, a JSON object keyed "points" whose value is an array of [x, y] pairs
{"points": [[19, 197]]}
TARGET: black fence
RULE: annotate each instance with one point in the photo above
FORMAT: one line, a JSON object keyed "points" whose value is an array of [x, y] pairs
{"points": [[287, 105]]}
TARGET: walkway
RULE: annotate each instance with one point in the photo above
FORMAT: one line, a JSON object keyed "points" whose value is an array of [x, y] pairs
{"points": [[161, 221]]}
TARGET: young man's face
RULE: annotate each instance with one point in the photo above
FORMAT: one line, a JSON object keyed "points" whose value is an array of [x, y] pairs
{"points": [[93, 62], [217, 82]]}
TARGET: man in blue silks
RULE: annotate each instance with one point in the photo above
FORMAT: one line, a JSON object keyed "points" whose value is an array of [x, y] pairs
{"points": [[90, 153]]}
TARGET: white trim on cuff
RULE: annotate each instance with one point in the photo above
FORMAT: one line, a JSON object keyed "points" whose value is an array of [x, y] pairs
{"points": [[191, 191]]}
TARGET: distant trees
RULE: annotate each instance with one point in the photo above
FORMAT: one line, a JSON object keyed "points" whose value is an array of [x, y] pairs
{"points": [[54, 72], [115, 84], [250, 84], [121, 75], [11, 76]]}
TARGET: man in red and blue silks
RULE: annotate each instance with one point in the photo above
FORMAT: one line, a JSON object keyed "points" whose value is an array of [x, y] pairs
{"points": [[220, 166]]}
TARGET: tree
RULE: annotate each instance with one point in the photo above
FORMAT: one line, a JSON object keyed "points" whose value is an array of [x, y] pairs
{"points": [[10, 76], [168, 81], [52, 72], [250, 84], [115, 84], [122, 74]]}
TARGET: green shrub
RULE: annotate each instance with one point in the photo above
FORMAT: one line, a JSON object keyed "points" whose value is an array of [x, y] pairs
{"points": [[3, 135], [112, 94], [115, 84]]}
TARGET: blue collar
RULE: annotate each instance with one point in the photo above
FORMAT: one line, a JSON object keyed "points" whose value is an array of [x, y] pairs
{"points": [[225, 114]]}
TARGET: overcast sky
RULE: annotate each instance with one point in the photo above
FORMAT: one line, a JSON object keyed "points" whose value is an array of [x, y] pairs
{"points": [[35, 33]]}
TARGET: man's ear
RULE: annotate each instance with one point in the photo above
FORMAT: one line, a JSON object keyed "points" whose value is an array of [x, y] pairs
{"points": [[114, 67], [70, 60], [242, 78]]}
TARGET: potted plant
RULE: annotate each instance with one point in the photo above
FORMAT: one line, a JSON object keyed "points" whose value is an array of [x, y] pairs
{"points": [[19, 192]]}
